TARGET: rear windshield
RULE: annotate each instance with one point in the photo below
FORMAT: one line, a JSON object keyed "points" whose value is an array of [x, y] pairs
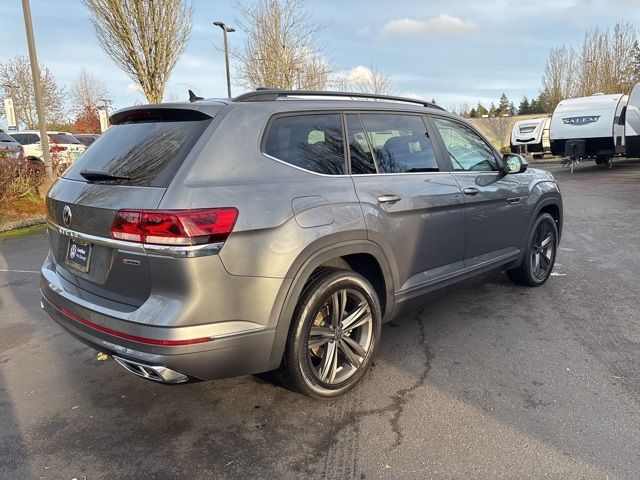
{"points": [[6, 138], [62, 138], [148, 153]]}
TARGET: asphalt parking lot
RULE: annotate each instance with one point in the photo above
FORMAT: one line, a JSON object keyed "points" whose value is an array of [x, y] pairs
{"points": [[485, 380]]}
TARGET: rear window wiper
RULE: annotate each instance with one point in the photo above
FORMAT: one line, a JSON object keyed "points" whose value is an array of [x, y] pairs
{"points": [[101, 176]]}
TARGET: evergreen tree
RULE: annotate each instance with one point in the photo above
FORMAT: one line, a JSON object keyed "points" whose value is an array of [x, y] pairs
{"points": [[512, 109], [525, 107], [492, 110], [503, 106], [480, 110], [473, 113]]}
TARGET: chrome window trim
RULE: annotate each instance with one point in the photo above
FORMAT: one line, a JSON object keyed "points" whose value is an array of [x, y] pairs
{"points": [[177, 251], [304, 169]]}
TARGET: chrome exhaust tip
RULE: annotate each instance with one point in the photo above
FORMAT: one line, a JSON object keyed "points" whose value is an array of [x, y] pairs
{"points": [[156, 373]]}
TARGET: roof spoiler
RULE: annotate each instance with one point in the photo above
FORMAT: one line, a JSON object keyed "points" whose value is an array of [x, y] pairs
{"points": [[157, 113]]}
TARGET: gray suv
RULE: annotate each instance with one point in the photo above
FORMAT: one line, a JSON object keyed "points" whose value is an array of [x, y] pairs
{"points": [[279, 230]]}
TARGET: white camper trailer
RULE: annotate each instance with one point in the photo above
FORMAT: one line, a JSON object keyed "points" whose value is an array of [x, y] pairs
{"points": [[632, 123], [531, 136], [596, 120]]}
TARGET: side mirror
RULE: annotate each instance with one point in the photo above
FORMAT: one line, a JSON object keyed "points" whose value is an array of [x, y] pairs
{"points": [[514, 163]]}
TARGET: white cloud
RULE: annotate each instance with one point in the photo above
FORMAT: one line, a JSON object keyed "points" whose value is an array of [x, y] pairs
{"points": [[441, 25], [363, 31], [359, 74], [133, 88]]}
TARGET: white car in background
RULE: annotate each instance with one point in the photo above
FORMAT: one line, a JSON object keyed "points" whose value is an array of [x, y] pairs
{"points": [[63, 146]]}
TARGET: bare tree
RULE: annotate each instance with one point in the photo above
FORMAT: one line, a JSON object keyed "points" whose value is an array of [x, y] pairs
{"points": [[367, 80], [143, 37], [607, 61], [16, 80], [282, 49], [558, 81], [88, 91]]}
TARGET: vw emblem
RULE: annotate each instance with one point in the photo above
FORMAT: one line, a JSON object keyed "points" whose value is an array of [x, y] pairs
{"points": [[66, 215]]}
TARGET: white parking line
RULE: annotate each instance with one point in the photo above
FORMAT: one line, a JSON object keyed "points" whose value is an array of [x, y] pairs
{"points": [[18, 271]]}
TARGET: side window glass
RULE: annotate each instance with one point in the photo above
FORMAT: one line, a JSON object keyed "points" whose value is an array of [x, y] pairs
{"points": [[361, 156], [400, 143], [312, 142], [21, 139], [467, 150]]}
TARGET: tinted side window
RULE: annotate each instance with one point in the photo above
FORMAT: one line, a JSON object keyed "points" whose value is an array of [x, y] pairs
{"points": [[26, 138], [468, 151], [62, 138], [359, 150], [312, 142], [400, 143]]}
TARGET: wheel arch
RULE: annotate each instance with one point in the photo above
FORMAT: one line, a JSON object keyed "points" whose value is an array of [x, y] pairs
{"points": [[357, 254], [552, 205]]}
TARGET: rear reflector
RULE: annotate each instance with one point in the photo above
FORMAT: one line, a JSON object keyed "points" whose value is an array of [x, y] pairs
{"points": [[133, 338], [174, 227]]}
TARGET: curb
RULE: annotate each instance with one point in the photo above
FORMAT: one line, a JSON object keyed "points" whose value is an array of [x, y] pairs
{"points": [[27, 222]]}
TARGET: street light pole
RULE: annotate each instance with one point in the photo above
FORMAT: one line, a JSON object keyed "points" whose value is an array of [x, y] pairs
{"points": [[226, 30], [37, 89]]}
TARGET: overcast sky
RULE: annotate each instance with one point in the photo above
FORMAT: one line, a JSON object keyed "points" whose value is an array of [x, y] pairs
{"points": [[454, 51]]}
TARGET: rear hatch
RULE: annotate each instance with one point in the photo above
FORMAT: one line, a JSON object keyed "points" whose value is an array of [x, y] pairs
{"points": [[128, 168]]}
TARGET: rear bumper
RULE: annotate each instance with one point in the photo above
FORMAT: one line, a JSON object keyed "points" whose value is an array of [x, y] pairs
{"points": [[228, 356]]}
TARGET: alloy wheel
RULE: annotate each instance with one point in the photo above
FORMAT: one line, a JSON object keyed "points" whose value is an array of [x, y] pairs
{"points": [[542, 251], [340, 337]]}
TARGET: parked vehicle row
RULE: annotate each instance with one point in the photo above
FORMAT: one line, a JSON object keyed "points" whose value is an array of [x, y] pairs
{"points": [[12, 157], [24, 148], [278, 230], [597, 127]]}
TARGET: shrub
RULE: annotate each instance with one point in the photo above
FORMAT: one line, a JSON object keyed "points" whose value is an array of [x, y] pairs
{"points": [[16, 182]]}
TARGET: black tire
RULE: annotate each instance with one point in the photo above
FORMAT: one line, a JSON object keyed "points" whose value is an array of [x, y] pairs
{"points": [[602, 159], [303, 365], [527, 273]]}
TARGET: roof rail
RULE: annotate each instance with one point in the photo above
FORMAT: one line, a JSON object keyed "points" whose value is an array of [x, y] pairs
{"points": [[263, 94]]}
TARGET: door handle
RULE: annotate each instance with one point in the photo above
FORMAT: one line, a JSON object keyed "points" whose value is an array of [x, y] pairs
{"points": [[389, 198], [513, 201], [471, 191]]}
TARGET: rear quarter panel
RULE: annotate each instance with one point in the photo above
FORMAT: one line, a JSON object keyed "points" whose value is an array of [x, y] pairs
{"points": [[231, 171]]}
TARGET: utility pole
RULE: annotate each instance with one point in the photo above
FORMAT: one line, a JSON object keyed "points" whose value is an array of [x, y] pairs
{"points": [[226, 30], [37, 89]]}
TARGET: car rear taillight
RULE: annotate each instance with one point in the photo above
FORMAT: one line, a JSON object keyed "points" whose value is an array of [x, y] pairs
{"points": [[174, 227], [57, 149]]}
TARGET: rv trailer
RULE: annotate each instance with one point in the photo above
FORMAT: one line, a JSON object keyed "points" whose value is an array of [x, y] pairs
{"points": [[531, 136], [595, 123], [632, 124]]}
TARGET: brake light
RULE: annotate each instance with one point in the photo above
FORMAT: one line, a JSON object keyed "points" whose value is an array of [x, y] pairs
{"points": [[174, 227], [57, 149]]}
